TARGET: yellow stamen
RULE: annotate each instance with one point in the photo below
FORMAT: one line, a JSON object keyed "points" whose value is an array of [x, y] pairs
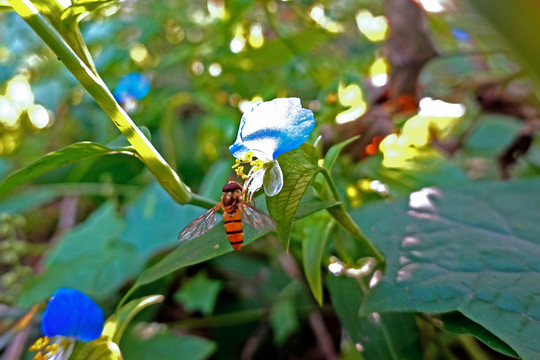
{"points": [[52, 349], [38, 356], [240, 172], [248, 157], [39, 344], [257, 164], [238, 162]]}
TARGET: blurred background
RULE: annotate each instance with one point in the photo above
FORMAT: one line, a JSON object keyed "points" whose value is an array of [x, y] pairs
{"points": [[437, 95]]}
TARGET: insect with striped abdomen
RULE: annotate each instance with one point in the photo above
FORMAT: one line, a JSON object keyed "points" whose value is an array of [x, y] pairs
{"points": [[235, 213]]}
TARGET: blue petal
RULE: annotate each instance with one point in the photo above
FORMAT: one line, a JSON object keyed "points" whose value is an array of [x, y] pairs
{"points": [[132, 85], [72, 313], [272, 128]]}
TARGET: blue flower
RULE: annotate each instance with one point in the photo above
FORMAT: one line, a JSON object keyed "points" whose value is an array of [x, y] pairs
{"points": [[70, 315], [270, 129], [132, 86], [461, 35]]}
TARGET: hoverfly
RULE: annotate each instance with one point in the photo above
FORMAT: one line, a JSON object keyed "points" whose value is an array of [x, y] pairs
{"points": [[235, 212]]}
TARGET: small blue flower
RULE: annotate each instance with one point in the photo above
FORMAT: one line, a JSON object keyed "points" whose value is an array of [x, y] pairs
{"points": [[70, 315], [270, 129], [132, 86], [461, 35]]}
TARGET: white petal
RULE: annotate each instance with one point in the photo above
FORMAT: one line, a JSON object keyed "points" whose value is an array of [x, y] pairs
{"points": [[273, 181], [65, 347], [254, 181]]}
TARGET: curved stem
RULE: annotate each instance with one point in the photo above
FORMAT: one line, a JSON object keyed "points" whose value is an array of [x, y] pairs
{"points": [[151, 158], [344, 219]]}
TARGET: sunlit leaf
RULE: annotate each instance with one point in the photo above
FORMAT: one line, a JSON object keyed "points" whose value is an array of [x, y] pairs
{"points": [[299, 166], [51, 161], [117, 323], [377, 335], [82, 7], [471, 248]]}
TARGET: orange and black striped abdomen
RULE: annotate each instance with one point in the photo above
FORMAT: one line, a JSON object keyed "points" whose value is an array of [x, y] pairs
{"points": [[233, 228]]}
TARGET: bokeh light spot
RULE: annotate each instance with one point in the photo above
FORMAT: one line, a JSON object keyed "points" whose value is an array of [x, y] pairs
{"points": [[8, 114], [19, 92], [351, 96], [139, 54], [374, 28], [256, 37], [214, 69], [39, 116]]}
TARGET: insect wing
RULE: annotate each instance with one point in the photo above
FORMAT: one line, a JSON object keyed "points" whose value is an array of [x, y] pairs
{"points": [[257, 219], [199, 226]]}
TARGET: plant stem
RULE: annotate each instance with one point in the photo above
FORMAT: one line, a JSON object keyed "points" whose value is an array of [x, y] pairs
{"points": [[340, 214], [163, 173]]}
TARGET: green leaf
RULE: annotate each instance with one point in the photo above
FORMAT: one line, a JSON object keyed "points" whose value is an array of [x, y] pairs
{"points": [[283, 319], [138, 345], [90, 258], [117, 323], [492, 134], [392, 336], [299, 166], [333, 153], [199, 293], [516, 22], [99, 349], [154, 215], [312, 206], [456, 323], [67, 155], [213, 243], [317, 228], [472, 248]]}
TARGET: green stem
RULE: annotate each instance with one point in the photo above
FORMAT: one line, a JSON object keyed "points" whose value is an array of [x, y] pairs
{"points": [[473, 349], [162, 172], [201, 201], [341, 216]]}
